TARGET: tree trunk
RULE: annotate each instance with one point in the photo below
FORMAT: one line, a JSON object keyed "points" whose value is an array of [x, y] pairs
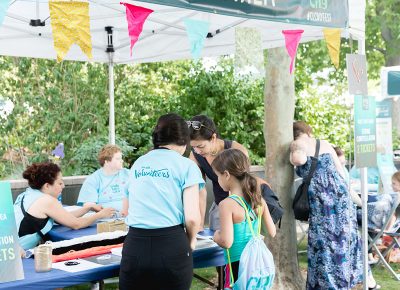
{"points": [[279, 111]]}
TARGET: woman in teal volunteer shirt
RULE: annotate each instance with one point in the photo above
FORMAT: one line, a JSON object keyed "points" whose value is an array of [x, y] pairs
{"points": [[37, 207], [163, 197]]}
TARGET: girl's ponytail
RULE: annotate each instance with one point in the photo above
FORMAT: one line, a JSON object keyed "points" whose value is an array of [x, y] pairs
{"points": [[251, 189]]}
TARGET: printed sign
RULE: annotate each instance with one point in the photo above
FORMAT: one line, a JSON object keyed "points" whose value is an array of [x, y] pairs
{"points": [[384, 138], [357, 74], [386, 169], [10, 258], [326, 13], [365, 131], [384, 143]]}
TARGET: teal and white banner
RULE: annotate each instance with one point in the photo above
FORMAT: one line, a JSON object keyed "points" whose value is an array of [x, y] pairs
{"points": [[386, 169], [365, 131], [10, 258], [384, 138], [384, 143], [326, 13]]}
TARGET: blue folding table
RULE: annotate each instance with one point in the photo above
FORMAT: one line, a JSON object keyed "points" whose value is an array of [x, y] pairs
{"points": [[206, 257]]}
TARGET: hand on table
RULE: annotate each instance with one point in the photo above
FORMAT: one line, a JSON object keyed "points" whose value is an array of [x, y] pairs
{"points": [[93, 206], [124, 213], [108, 212]]}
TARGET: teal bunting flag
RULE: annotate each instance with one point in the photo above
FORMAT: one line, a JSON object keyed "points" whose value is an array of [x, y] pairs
{"points": [[3, 9], [197, 31]]}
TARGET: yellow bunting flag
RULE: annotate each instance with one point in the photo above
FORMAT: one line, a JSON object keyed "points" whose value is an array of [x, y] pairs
{"points": [[332, 38], [70, 24]]}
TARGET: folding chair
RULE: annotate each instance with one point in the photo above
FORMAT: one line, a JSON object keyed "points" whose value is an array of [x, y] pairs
{"points": [[375, 233]]}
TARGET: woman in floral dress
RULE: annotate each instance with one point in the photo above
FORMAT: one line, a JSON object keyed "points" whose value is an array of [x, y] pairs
{"points": [[334, 244]]}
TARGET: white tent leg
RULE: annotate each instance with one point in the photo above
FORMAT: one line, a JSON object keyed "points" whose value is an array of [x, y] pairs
{"points": [[111, 93], [364, 200]]}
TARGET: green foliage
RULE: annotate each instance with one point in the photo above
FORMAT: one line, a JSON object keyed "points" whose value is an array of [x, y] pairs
{"points": [[396, 140], [68, 103], [327, 114], [235, 104], [189, 89], [85, 159], [53, 103]]}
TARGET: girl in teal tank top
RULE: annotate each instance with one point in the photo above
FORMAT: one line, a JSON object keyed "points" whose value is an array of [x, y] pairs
{"points": [[232, 168]]}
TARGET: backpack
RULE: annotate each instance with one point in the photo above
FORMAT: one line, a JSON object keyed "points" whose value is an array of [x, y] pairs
{"points": [[256, 265], [274, 207], [301, 205]]}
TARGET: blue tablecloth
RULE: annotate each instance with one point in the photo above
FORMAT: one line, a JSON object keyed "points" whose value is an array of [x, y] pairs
{"points": [[208, 257], [57, 278]]}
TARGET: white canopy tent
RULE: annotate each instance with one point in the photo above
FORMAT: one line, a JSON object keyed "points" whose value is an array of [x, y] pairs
{"points": [[26, 32], [163, 38]]}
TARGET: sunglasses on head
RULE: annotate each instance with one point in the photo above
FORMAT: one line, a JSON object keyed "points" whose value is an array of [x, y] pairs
{"points": [[196, 125]]}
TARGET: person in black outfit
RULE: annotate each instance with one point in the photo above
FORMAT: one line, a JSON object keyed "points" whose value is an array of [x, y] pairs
{"points": [[206, 144]]}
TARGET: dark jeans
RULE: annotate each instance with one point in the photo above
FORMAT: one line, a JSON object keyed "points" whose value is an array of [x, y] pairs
{"points": [[157, 259]]}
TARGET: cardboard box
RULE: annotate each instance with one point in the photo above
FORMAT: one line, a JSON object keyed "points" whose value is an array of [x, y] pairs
{"points": [[111, 226]]}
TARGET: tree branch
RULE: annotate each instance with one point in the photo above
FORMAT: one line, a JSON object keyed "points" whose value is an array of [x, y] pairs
{"points": [[381, 50]]}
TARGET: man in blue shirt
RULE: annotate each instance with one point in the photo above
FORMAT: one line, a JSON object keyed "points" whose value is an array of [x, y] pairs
{"points": [[107, 186]]}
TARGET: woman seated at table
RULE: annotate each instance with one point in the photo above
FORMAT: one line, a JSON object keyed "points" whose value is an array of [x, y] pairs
{"points": [[37, 207], [107, 186]]}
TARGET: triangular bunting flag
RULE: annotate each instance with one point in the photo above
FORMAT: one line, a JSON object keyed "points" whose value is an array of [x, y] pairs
{"points": [[3, 9], [292, 39], [197, 31], [70, 24], [248, 50], [59, 151], [332, 38], [136, 16]]}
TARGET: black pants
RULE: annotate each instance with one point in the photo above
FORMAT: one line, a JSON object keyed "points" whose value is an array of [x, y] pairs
{"points": [[158, 259]]}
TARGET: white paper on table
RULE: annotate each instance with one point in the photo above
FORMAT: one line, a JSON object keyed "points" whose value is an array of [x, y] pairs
{"points": [[82, 266], [203, 237], [117, 251], [203, 244]]}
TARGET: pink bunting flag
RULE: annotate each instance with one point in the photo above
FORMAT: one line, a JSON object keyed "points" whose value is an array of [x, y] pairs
{"points": [[136, 16], [292, 39]]}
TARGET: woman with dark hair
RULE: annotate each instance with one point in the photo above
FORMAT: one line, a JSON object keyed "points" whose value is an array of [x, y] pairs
{"points": [[163, 198], [334, 245], [37, 207], [206, 144]]}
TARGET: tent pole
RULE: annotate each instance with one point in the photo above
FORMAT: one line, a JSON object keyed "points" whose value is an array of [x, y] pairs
{"points": [[364, 200], [110, 51], [111, 94]]}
